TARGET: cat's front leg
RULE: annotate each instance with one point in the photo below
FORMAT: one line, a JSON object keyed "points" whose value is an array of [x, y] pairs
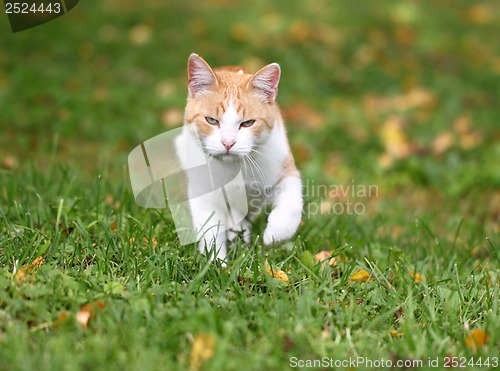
{"points": [[214, 246], [287, 211], [210, 225]]}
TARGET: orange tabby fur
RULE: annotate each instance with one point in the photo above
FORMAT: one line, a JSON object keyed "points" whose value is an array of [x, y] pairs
{"points": [[234, 116], [232, 85]]}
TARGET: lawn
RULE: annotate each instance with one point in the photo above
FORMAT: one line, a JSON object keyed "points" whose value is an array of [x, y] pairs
{"points": [[393, 116]]}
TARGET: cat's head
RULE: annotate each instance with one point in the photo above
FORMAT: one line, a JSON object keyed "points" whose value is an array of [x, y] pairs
{"points": [[233, 111]]}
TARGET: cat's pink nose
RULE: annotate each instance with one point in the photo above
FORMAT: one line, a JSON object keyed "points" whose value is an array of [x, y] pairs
{"points": [[228, 144]]}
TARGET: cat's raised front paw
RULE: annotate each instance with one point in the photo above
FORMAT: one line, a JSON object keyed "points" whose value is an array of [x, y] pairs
{"points": [[219, 245], [281, 226]]}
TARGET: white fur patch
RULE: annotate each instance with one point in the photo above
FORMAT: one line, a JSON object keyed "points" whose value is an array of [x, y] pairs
{"points": [[230, 123], [230, 116], [287, 212]]}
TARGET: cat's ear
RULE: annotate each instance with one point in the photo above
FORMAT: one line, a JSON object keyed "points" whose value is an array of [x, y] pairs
{"points": [[265, 82], [200, 76]]}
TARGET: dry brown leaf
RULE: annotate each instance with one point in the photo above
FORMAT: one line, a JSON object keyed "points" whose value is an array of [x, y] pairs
{"points": [[477, 339], [417, 277], [480, 14], [416, 97], [10, 162], [404, 35], [60, 319], [166, 89], [326, 333], [276, 273], [443, 142], [108, 199], [396, 334], [468, 137], [241, 32], [471, 140], [300, 31], [323, 256], [301, 113], [396, 144], [140, 34], [325, 208], [88, 311], [462, 124], [83, 317], [328, 34], [202, 350], [385, 161], [172, 117], [22, 273], [361, 276]]}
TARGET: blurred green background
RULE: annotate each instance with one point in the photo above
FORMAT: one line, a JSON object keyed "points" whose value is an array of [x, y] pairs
{"points": [[403, 95], [399, 94]]}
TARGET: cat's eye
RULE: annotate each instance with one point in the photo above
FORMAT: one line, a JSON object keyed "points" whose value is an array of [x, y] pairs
{"points": [[247, 123], [212, 121]]}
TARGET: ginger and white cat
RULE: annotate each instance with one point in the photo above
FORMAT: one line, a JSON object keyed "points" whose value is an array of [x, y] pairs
{"points": [[234, 118]]}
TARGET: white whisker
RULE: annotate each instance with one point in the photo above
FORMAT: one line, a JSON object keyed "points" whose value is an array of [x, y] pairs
{"points": [[258, 168]]}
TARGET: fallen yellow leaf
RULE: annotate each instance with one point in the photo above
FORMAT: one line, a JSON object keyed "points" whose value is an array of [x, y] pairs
{"points": [[361, 276], [396, 334], [417, 277], [241, 32], [324, 255], [87, 312], [442, 143], [10, 163], [302, 114], [416, 98], [477, 339], [385, 161], [172, 117], [60, 319], [300, 31], [202, 350], [480, 14], [22, 273], [394, 138], [140, 34], [276, 273]]}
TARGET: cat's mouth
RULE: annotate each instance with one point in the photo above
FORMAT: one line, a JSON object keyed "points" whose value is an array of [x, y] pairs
{"points": [[226, 156], [233, 155]]}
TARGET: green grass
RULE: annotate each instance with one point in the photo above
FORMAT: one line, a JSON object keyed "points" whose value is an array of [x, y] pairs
{"points": [[77, 95]]}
